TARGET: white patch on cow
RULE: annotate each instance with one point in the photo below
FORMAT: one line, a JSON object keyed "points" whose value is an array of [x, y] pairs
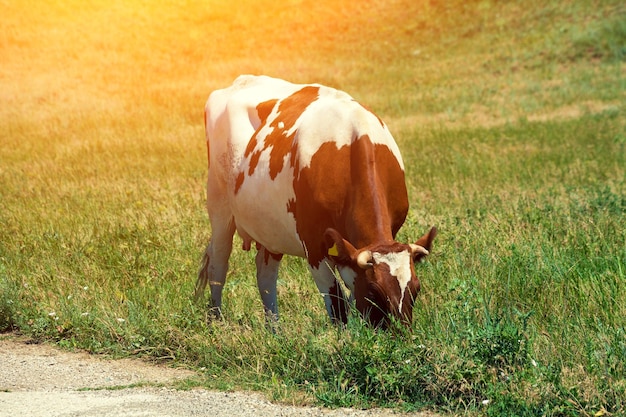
{"points": [[399, 266], [259, 199], [281, 125]]}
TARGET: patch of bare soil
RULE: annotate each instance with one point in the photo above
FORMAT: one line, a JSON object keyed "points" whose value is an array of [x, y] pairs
{"points": [[41, 380]]}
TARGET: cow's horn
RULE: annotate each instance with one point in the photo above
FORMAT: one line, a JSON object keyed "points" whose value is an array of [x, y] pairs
{"points": [[418, 249], [364, 259]]}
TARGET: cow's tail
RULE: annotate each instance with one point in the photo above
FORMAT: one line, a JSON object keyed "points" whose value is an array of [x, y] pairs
{"points": [[203, 275]]}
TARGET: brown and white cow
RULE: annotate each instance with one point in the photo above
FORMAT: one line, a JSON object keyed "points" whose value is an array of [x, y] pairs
{"points": [[305, 170]]}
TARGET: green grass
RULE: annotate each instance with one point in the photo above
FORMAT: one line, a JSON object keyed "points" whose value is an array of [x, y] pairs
{"points": [[510, 118]]}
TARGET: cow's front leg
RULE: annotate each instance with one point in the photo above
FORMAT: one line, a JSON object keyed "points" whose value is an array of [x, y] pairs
{"points": [[267, 264], [328, 286]]}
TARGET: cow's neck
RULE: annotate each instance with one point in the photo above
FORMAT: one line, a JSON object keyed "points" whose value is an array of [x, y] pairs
{"points": [[368, 220]]}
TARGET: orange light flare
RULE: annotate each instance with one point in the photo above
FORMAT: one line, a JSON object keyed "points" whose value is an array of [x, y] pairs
{"points": [[133, 51]]}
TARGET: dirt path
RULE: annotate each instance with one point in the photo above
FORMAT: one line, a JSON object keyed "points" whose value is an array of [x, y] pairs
{"points": [[41, 380]]}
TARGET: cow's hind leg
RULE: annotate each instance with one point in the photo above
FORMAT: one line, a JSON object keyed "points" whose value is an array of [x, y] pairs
{"points": [[267, 264], [214, 265], [329, 287]]}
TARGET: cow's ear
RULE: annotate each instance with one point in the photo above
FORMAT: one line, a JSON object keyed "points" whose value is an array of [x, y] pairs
{"points": [[425, 242], [337, 248]]}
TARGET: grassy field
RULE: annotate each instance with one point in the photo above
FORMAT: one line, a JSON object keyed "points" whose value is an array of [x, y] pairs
{"points": [[511, 120]]}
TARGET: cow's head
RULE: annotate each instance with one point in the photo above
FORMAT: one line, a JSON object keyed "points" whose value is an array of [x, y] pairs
{"points": [[385, 283]]}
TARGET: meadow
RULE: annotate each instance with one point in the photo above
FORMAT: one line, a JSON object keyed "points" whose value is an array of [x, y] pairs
{"points": [[511, 120]]}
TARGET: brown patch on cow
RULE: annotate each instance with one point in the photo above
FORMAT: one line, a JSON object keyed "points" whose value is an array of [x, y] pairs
{"points": [[265, 109], [291, 108], [320, 191], [279, 144], [280, 148], [359, 190], [253, 161], [289, 111], [385, 249], [239, 182]]}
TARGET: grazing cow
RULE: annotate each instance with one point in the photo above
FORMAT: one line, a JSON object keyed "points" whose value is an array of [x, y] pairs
{"points": [[305, 170]]}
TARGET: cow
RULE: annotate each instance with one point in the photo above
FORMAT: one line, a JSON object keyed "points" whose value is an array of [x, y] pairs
{"points": [[305, 170]]}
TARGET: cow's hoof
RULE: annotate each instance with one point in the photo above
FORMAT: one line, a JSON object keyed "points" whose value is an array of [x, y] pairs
{"points": [[213, 314]]}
